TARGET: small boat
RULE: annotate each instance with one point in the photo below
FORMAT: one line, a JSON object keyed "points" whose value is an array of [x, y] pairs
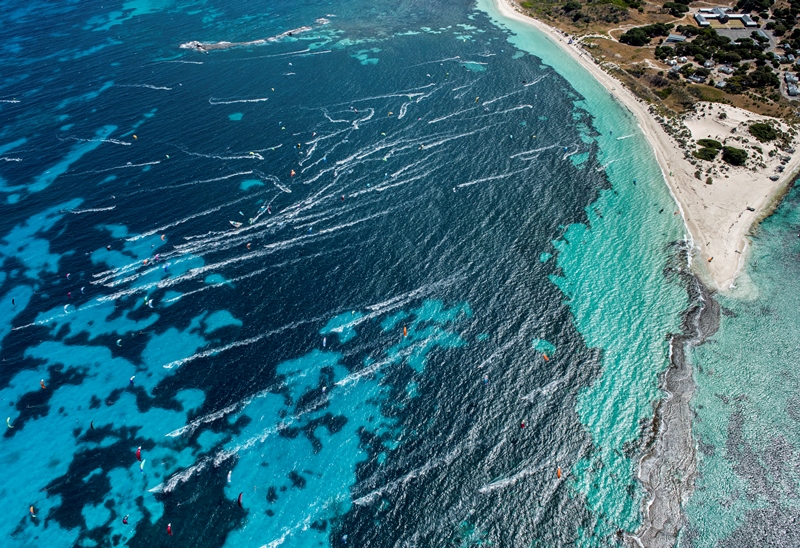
{"points": [[235, 224]]}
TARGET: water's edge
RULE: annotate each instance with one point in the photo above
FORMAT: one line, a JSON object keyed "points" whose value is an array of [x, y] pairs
{"points": [[668, 465]]}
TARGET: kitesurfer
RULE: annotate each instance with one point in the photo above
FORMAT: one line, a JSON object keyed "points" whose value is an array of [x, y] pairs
{"points": [[8, 422], [119, 342], [405, 331], [169, 529], [522, 424], [41, 383], [139, 453], [239, 500], [125, 520], [558, 473], [13, 303], [292, 173], [324, 342], [108, 247], [229, 476], [91, 425], [32, 511], [141, 466]]}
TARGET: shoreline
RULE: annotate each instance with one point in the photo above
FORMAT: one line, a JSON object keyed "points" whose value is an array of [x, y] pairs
{"points": [[718, 217], [668, 462]]}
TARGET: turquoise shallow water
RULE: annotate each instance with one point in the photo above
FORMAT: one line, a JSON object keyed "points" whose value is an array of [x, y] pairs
{"points": [[746, 403], [382, 277], [613, 279]]}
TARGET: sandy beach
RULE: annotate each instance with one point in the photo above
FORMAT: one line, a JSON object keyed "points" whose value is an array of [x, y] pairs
{"points": [[719, 215]]}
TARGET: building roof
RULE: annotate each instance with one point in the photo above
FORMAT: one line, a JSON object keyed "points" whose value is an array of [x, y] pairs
{"points": [[702, 21], [675, 38], [748, 21]]}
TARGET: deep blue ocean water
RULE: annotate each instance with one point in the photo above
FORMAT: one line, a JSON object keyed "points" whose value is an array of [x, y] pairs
{"points": [[440, 242]]}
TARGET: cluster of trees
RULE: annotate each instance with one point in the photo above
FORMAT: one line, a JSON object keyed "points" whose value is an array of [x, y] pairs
{"points": [[709, 148], [677, 8], [784, 19], [763, 132], [707, 44], [610, 11], [640, 36], [749, 6], [761, 77]]}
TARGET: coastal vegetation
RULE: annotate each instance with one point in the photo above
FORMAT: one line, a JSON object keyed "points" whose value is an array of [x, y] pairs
{"points": [[709, 148], [639, 36], [734, 156], [763, 132], [664, 57]]}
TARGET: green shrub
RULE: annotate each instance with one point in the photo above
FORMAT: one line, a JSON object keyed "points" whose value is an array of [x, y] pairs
{"points": [[664, 93], [675, 9], [707, 154], [709, 143], [635, 37], [763, 132], [734, 156], [639, 36]]}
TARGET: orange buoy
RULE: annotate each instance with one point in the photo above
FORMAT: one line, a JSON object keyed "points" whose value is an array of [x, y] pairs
{"points": [[135, 138], [558, 473], [163, 236], [545, 357], [292, 173], [405, 331], [710, 259], [145, 261]]}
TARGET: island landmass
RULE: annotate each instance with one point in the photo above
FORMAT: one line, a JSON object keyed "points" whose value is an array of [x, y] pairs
{"points": [[728, 156]]}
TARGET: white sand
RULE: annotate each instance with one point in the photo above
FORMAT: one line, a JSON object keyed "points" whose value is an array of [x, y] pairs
{"points": [[716, 215]]}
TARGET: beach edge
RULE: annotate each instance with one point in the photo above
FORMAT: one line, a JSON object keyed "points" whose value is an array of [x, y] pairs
{"points": [[676, 171]]}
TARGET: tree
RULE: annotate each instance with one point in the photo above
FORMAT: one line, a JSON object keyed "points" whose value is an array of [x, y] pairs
{"points": [[707, 154], [709, 143], [747, 6], [676, 9], [734, 156], [635, 37], [763, 132]]}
